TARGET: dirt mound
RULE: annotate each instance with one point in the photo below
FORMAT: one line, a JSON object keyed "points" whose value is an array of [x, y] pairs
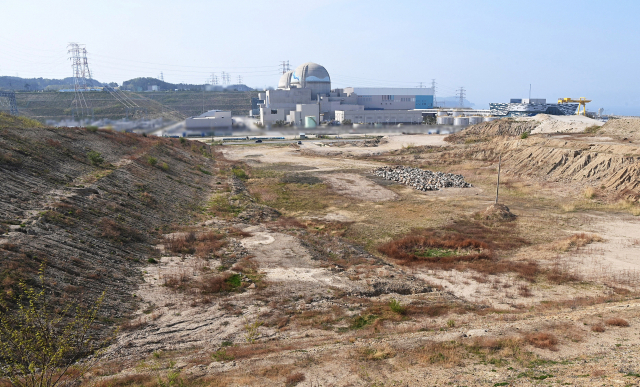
{"points": [[485, 131], [622, 128], [498, 211], [614, 168], [541, 123]]}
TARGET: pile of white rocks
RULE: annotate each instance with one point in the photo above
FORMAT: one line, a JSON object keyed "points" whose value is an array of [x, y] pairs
{"points": [[421, 179]]}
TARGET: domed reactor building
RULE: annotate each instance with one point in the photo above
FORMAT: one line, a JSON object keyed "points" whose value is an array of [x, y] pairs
{"points": [[304, 98]]}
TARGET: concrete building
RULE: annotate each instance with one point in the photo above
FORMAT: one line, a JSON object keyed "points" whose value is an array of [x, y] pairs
{"points": [[211, 123], [310, 84]]}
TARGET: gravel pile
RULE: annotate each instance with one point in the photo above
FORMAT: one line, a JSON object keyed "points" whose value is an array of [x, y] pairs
{"points": [[421, 179]]}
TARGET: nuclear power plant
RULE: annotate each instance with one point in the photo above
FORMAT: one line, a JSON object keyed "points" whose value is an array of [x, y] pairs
{"points": [[304, 98]]}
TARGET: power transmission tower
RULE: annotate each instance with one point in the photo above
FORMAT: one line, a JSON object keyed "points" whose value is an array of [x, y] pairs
{"points": [[81, 76], [421, 85], [433, 87], [10, 96], [239, 79], [461, 96], [161, 76], [285, 66]]}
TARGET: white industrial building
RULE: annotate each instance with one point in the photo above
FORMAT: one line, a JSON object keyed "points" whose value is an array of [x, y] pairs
{"points": [[306, 92], [210, 123]]}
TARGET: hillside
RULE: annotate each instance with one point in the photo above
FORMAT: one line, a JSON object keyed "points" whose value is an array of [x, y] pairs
{"points": [[92, 204], [169, 105]]}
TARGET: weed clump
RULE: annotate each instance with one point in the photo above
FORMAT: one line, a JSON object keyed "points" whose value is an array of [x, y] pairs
{"points": [[95, 158], [617, 322], [542, 340], [203, 245], [396, 307], [597, 328]]}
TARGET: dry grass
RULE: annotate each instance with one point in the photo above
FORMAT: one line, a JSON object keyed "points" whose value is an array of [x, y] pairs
{"points": [[617, 322], [597, 328], [542, 340], [575, 242], [448, 354], [294, 379], [202, 245], [379, 352], [589, 193]]}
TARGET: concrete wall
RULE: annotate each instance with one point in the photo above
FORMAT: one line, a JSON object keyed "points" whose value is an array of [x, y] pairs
{"points": [[380, 116]]}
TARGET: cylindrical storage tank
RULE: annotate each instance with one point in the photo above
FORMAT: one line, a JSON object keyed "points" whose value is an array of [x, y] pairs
{"points": [[309, 122], [442, 113], [461, 121], [475, 120], [445, 120], [489, 119], [457, 114]]}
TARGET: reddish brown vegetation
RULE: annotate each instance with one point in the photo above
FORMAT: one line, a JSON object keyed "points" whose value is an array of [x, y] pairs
{"points": [[617, 322], [409, 248], [202, 245], [294, 379], [118, 232], [542, 340], [597, 328]]}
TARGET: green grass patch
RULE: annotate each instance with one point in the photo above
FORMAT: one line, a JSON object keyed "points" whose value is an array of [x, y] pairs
{"points": [[360, 322], [234, 281]]}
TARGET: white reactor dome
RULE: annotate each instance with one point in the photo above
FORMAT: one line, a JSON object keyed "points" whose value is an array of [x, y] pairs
{"points": [[312, 76], [285, 81]]}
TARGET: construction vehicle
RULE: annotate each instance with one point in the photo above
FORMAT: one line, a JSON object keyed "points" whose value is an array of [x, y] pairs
{"points": [[582, 104]]}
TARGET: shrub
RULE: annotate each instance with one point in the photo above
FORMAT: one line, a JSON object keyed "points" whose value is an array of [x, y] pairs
{"points": [[597, 328], [589, 193], [183, 140], [152, 260], [152, 161], [592, 129], [396, 307], [542, 340], [118, 232], [164, 167], [239, 173], [617, 322], [95, 158], [92, 128], [294, 379], [524, 135], [40, 342]]}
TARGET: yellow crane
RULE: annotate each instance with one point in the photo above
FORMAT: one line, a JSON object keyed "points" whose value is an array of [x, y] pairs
{"points": [[582, 104]]}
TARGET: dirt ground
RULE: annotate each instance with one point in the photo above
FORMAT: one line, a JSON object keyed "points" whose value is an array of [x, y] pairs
{"points": [[320, 305]]}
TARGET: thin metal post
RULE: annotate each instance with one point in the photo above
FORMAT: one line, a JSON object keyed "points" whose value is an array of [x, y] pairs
{"points": [[498, 185]]}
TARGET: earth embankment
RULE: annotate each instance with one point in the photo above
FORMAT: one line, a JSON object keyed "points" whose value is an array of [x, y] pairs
{"points": [[92, 203]]}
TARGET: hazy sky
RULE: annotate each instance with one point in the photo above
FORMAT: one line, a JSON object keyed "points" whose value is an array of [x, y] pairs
{"points": [[495, 49]]}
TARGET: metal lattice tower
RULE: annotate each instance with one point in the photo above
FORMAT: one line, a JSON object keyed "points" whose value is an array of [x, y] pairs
{"points": [[285, 66], [239, 79], [433, 87], [461, 95], [81, 77], [161, 76], [10, 98]]}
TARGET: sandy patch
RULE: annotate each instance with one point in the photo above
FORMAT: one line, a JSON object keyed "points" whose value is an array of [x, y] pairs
{"points": [[358, 187], [565, 124], [617, 258]]}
